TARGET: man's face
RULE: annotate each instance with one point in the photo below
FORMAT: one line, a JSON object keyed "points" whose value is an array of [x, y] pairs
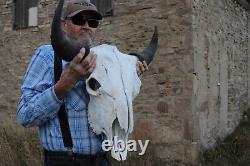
{"points": [[83, 34]]}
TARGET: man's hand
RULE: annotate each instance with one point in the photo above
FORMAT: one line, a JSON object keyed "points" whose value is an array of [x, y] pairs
{"points": [[76, 70], [141, 67]]}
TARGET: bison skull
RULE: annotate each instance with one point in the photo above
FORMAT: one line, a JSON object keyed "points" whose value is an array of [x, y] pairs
{"points": [[112, 87]]}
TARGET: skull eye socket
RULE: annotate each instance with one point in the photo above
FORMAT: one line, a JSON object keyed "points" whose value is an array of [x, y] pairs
{"points": [[94, 84]]}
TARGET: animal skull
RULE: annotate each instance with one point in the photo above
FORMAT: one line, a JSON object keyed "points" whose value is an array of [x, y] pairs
{"points": [[112, 87]]}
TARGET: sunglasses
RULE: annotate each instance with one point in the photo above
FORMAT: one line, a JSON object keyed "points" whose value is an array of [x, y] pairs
{"points": [[80, 20]]}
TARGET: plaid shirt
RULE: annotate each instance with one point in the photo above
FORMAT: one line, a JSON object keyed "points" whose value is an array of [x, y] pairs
{"points": [[39, 106]]}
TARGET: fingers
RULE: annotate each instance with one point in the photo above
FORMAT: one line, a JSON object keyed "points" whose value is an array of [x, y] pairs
{"points": [[82, 66], [79, 57], [141, 67], [89, 61], [82, 52], [92, 63], [145, 65], [85, 61]]}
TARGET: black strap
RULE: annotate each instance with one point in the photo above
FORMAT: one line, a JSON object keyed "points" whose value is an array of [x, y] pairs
{"points": [[63, 118]]}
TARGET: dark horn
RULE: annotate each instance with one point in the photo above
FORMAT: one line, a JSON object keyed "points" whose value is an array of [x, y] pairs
{"points": [[63, 46], [148, 53]]}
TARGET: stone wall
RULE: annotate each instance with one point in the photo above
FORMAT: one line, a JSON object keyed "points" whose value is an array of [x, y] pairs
{"points": [[220, 42], [180, 107], [163, 109]]}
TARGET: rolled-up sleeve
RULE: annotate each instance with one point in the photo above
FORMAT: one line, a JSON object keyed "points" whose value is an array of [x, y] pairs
{"points": [[38, 102]]}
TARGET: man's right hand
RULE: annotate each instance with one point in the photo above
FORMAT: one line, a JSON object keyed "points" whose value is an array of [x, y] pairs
{"points": [[75, 71]]}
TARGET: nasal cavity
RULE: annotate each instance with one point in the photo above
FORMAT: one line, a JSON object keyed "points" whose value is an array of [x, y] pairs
{"points": [[94, 84]]}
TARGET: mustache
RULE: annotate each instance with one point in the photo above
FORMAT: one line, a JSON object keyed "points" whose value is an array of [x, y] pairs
{"points": [[82, 30], [87, 33]]}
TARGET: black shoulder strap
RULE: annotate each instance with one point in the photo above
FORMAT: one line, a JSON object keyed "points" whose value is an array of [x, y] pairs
{"points": [[63, 118]]}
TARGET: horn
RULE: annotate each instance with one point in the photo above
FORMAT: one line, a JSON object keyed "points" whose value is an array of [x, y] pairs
{"points": [[63, 46], [148, 53]]}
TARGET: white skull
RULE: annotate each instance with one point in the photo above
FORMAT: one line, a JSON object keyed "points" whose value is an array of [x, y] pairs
{"points": [[112, 87]]}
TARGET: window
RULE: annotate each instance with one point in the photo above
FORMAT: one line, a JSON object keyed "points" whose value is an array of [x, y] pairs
{"points": [[105, 7], [25, 13]]}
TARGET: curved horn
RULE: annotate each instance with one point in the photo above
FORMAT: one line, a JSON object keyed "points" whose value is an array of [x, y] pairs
{"points": [[148, 53], [63, 46]]}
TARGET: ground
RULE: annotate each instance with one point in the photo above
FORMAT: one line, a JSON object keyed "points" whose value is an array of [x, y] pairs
{"points": [[234, 150], [21, 148]]}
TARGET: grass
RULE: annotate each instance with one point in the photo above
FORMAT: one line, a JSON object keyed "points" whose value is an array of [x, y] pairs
{"points": [[234, 150], [21, 147]]}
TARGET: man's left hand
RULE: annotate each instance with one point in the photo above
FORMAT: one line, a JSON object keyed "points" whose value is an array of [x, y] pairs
{"points": [[141, 67]]}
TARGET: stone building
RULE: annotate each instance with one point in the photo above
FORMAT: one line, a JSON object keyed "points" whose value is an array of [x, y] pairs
{"points": [[193, 94]]}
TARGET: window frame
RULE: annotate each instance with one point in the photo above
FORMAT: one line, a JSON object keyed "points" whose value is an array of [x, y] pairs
{"points": [[21, 13]]}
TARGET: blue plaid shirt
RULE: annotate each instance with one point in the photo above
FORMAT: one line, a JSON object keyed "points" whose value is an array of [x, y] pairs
{"points": [[39, 106]]}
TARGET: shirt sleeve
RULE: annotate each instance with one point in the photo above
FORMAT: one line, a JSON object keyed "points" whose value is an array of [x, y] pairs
{"points": [[38, 102]]}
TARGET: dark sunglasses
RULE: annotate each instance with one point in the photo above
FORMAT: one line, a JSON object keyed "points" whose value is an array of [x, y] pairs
{"points": [[80, 20]]}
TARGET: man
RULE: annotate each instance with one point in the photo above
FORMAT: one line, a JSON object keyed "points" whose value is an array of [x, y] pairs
{"points": [[42, 98]]}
